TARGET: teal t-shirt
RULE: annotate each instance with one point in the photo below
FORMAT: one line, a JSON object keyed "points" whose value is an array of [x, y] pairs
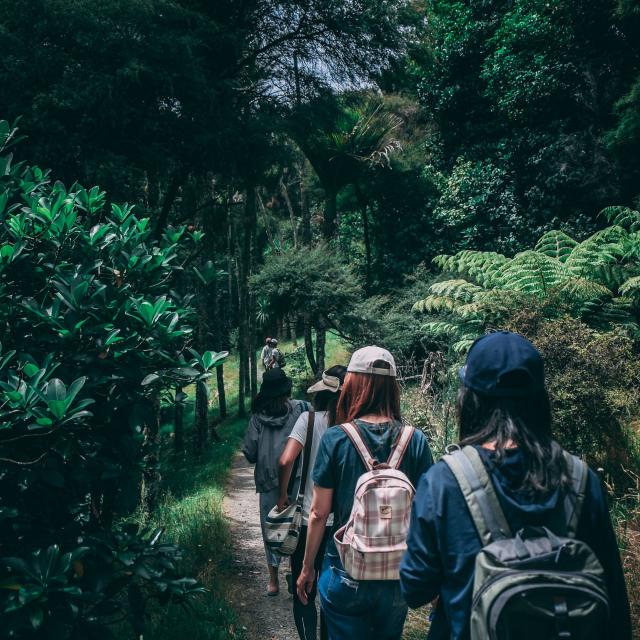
{"points": [[338, 465]]}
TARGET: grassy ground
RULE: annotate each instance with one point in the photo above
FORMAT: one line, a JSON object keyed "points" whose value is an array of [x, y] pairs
{"points": [[191, 512]]}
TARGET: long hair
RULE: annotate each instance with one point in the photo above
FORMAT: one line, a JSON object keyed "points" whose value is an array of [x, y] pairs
{"points": [[328, 400], [365, 393], [524, 421], [270, 406]]}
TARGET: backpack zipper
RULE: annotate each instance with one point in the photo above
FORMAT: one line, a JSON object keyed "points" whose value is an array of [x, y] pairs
{"points": [[598, 583]]}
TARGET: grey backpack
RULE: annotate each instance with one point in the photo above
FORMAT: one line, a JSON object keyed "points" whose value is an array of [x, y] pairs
{"points": [[536, 584]]}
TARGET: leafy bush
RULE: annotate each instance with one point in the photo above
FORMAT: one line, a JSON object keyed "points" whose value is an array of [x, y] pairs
{"points": [[92, 335], [593, 380]]}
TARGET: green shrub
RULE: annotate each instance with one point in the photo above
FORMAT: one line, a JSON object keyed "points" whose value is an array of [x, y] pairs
{"points": [[593, 380], [92, 335]]}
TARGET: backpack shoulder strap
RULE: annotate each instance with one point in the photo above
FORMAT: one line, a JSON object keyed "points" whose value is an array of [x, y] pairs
{"points": [[479, 494], [355, 436], [401, 446], [306, 455], [574, 498]]}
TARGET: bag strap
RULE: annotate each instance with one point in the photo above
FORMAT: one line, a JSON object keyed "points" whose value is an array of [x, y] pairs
{"points": [[574, 498], [306, 455], [400, 448], [355, 436], [479, 494]]}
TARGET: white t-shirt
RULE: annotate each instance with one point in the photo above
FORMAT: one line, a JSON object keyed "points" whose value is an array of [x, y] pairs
{"points": [[299, 433]]}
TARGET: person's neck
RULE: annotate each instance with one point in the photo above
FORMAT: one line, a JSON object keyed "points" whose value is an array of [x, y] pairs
{"points": [[491, 445], [375, 418]]}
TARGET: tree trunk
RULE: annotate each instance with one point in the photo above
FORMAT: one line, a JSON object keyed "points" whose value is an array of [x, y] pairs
{"points": [[178, 420], [167, 203], [329, 227], [252, 224], [304, 206], [367, 237], [292, 215], [308, 345], [202, 415], [242, 339], [222, 396], [367, 249], [321, 341], [150, 489], [293, 329]]}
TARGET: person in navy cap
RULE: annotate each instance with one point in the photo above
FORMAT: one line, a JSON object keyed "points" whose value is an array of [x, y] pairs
{"points": [[504, 412]]}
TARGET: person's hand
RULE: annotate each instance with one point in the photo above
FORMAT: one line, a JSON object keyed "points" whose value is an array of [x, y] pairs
{"points": [[305, 583], [282, 504]]}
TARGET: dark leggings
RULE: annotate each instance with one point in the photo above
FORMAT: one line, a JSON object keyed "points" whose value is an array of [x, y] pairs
{"points": [[306, 616]]}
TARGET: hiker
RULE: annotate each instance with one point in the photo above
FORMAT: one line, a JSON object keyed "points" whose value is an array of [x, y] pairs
{"points": [[369, 413], [516, 479], [265, 355], [273, 417], [277, 357], [315, 422]]}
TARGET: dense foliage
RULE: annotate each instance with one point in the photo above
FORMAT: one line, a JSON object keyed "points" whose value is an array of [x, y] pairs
{"points": [[596, 280], [92, 333]]}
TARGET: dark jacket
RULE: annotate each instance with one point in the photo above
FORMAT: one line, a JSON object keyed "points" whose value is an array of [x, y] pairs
{"points": [[443, 542], [265, 440]]}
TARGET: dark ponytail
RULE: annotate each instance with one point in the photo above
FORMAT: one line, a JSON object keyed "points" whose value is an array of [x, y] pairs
{"points": [[525, 421]]}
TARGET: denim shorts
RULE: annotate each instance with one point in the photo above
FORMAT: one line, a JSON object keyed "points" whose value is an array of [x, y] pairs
{"points": [[360, 609]]}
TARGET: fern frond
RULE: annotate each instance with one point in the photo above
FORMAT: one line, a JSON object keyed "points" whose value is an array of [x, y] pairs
{"points": [[442, 329], [531, 272], [480, 265], [435, 304], [622, 217], [462, 346], [457, 289], [556, 244], [631, 288], [581, 289]]}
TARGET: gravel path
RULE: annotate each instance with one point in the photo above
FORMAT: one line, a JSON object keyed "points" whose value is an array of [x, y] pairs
{"points": [[263, 617]]}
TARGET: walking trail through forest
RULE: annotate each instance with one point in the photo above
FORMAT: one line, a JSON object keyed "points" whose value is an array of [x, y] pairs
{"points": [[264, 617]]}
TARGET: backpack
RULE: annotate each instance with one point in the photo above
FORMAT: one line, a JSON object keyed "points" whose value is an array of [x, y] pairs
{"points": [[282, 528], [374, 539], [534, 584]]}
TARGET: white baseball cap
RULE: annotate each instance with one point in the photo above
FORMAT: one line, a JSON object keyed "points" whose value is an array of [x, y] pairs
{"points": [[328, 383], [362, 361]]}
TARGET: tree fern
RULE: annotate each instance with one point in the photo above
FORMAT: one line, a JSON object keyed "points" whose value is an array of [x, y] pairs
{"points": [[531, 272], [556, 244], [622, 217], [596, 280]]}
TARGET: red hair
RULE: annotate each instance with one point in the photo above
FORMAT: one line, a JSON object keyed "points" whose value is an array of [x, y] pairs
{"points": [[366, 393]]}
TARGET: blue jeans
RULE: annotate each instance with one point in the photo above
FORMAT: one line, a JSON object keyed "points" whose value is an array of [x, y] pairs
{"points": [[360, 610]]}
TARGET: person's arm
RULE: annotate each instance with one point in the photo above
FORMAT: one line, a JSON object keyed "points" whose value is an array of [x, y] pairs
{"points": [[285, 466], [421, 569], [319, 513], [250, 446]]}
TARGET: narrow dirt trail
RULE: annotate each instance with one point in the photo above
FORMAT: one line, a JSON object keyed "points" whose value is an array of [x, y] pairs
{"points": [[264, 617]]}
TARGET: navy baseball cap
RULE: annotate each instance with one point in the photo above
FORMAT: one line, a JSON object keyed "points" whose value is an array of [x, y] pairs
{"points": [[503, 365]]}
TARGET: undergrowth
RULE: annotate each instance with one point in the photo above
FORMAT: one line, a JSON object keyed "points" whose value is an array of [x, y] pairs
{"points": [[191, 513]]}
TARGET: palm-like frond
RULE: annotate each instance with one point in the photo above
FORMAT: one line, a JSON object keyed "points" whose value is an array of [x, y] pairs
{"points": [[597, 280], [531, 272], [556, 244]]}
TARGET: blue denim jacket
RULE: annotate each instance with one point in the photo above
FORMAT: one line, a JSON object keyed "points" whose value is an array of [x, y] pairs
{"points": [[443, 542]]}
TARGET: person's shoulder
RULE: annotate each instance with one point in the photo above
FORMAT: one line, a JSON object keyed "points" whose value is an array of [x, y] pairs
{"points": [[438, 477], [333, 435], [302, 406]]}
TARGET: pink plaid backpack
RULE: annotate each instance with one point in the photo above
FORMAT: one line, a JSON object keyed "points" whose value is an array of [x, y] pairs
{"points": [[374, 539]]}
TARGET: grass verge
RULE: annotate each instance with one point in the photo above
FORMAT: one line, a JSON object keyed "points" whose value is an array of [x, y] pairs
{"points": [[191, 512]]}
